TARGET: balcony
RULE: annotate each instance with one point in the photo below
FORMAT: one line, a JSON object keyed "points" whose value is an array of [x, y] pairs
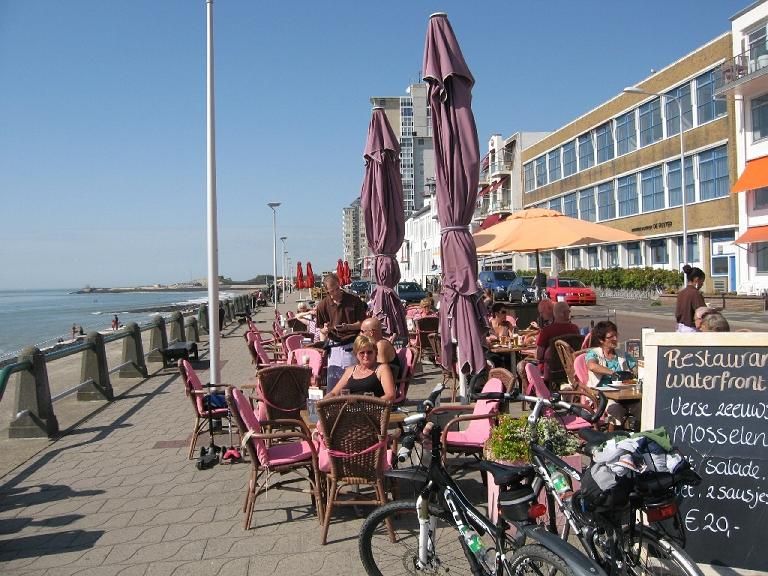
{"points": [[739, 70]]}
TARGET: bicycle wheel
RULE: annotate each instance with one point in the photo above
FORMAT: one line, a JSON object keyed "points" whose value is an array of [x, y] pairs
{"points": [[381, 556], [647, 553], [536, 559]]}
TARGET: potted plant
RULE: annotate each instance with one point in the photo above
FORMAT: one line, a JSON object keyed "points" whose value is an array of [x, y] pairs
{"points": [[509, 443]]}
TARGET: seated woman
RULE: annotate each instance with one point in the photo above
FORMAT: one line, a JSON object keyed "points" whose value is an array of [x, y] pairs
{"points": [[500, 328], [488, 298], [367, 375], [425, 309], [603, 362]]}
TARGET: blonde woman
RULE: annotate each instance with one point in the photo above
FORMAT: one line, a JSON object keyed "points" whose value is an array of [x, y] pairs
{"points": [[367, 375]]}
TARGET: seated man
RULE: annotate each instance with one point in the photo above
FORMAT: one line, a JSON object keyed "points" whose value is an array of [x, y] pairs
{"points": [[560, 326], [386, 353]]}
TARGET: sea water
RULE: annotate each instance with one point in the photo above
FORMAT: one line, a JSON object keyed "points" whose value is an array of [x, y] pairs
{"points": [[40, 317]]}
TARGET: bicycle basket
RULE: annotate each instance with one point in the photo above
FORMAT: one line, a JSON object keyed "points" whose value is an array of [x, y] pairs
{"points": [[598, 499]]}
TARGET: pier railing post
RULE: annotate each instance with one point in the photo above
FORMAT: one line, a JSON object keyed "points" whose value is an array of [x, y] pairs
{"points": [[33, 400], [202, 318], [158, 339], [229, 316], [191, 329], [94, 368], [133, 353], [177, 327]]}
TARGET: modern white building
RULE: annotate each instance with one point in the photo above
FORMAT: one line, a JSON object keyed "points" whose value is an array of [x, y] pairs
{"points": [[744, 78], [419, 256]]}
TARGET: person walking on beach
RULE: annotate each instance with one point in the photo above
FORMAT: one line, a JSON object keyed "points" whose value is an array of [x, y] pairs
{"points": [[74, 331], [115, 323]]}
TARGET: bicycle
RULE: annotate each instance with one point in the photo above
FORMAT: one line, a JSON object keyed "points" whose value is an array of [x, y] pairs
{"points": [[407, 537], [610, 533]]}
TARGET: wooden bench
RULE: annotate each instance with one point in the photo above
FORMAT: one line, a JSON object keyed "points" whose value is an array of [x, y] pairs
{"points": [[177, 351]]}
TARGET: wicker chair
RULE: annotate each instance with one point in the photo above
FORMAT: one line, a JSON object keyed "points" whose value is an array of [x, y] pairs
{"points": [[282, 391], [424, 328], [296, 325], [354, 450], [505, 376], [196, 392], [449, 374], [289, 452], [555, 373]]}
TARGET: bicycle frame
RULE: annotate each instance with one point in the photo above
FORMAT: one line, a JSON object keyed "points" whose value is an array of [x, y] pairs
{"points": [[439, 484]]}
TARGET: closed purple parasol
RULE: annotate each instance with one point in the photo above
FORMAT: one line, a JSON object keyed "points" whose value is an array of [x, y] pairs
{"points": [[457, 162], [381, 200]]}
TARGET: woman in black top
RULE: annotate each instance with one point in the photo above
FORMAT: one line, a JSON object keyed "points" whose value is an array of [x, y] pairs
{"points": [[367, 375]]}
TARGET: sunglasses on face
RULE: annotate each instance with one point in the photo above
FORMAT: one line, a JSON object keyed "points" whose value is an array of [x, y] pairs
{"points": [[366, 352]]}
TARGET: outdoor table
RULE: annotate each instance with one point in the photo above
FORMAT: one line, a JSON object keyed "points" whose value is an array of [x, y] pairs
{"points": [[515, 354]]}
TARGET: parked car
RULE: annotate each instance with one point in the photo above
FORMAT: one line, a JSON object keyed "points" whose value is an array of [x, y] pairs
{"points": [[498, 281], [361, 287], [571, 290], [521, 290], [410, 292]]}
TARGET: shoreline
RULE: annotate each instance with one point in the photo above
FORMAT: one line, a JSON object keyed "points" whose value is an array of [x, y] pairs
{"points": [[173, 288]]}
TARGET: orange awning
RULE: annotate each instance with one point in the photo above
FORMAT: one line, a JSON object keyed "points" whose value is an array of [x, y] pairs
{"points": [[754, 234], [755, 176]]}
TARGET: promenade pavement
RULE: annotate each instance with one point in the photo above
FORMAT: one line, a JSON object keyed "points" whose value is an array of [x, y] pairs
{"points": [[117, 495]]}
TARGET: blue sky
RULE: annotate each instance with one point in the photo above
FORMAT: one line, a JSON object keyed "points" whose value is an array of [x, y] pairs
{"points": [[102, 115]]}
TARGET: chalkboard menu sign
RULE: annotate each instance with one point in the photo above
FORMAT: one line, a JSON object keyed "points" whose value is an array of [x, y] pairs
{"points": [[714, 403]]}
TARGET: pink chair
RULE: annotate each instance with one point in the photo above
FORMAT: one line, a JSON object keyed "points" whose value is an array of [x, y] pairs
{"points": [[316, 363], [292, 341], [294, 451], [580, 367], [407, 358], [587, 342], [471, 441], [540, 389], [263, 357], [196, 393]]}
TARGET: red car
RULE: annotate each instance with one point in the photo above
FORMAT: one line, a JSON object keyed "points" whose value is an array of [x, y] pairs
{"points": [[572, 290]]}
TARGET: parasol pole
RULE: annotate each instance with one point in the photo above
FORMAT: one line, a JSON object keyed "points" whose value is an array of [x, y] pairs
{"points": [[213, 249]]}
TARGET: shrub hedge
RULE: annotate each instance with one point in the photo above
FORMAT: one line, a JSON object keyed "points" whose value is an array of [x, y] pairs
{"points": [[617, 278]]}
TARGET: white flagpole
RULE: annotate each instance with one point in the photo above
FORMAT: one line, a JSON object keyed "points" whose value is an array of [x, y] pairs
{"points": [[213, 249]]}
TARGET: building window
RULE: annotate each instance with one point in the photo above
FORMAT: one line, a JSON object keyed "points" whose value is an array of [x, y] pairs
{"points": [[528, 177], [604, 137], [672, 112], [541, 171], [707, 108], [761, 199], [693, 248], [569, 158], [673, 182], [587, 204], [556, 204], [720, 266], [532, 261], [659, 252], [759, 117], [713, 173], [570, 207], [650, 122], [761, 257], [626, 140], [546, 259], [612, 255], [606, 201], [586, 151], [592, 260], [634, 254], [574, 259], [652, 186], [627, 193], [553, 159]]}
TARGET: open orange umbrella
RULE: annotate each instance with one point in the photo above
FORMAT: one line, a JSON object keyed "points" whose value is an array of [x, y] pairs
{"points": [[541, 229]]}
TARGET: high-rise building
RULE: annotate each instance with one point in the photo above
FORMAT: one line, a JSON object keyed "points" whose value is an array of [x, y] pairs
{"points": [[354, 241], [410, 118]]}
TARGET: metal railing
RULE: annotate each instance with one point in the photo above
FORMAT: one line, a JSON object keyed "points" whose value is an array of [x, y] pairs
{"points": [[34, 410], [740, 69]]}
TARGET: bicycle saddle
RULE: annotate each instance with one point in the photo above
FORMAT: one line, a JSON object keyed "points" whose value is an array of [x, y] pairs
{"points": [[505, 475]]}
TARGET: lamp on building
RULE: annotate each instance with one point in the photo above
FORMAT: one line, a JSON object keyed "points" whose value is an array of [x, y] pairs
{"points": [[285, 255], [274, 206], [635, 90]]}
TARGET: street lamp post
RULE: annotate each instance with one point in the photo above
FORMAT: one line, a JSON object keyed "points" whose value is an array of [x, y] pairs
{"points": [[285, 254], [684, 206], [274, 206]]}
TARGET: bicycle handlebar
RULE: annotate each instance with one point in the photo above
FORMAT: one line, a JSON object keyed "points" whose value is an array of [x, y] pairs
{"points": [[553, 402]]}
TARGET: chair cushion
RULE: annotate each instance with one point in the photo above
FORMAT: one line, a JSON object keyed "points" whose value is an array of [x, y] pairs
{"points": [[289, 453]]}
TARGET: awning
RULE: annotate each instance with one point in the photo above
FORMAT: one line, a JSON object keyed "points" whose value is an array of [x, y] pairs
{"points": [[754, 234], [493, 219], [483, 191], [755, 176], [496, 185]]}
